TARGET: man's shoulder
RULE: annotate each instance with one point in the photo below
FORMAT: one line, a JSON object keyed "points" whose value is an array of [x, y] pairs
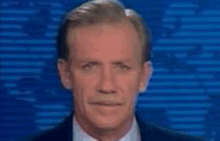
{"points": [[42, 136], [161, 133], [63, 131], [148, 131], [151, 131]]}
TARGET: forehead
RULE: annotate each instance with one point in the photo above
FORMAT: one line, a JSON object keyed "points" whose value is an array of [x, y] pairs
{"points": [[105, 41]]}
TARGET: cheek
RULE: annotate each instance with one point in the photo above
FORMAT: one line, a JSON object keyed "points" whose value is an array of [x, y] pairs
{"points": [[77, 91], [129, 83], [83, 88], [129, 86]]}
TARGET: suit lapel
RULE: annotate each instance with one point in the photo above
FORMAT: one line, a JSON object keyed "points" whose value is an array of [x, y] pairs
{"points": [[70, 128], [144, 128], [66, 128]]}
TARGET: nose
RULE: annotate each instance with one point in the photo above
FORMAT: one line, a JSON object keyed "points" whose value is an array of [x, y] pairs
{"points": [[107, 84]]}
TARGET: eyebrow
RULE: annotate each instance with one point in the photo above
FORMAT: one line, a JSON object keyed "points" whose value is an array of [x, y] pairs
{"points": [[97, 62]]}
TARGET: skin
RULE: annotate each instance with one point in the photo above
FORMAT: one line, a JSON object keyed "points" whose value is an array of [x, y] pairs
{"points": [[103, 68]]}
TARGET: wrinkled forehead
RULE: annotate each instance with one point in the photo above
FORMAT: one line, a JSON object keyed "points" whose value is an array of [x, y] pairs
{"points": [[73, 33], [121, 37]]}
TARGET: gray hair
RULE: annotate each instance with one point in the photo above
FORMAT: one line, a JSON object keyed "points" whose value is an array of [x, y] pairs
{"points": [[96, 11]]}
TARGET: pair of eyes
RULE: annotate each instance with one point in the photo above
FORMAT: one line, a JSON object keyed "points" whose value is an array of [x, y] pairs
{"points": [[90, 66]]}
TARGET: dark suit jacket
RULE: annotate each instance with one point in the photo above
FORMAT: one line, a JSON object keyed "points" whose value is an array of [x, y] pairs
{"points": [[149, 132]]}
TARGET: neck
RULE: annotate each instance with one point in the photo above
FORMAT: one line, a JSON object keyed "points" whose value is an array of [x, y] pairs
{"points": [[106, 134]]}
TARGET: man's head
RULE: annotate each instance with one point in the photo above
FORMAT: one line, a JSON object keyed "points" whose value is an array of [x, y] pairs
{"points": [[104, 62]]}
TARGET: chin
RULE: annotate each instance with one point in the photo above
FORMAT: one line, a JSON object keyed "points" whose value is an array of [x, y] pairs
{"points": [[105, 117], [107, 122]]}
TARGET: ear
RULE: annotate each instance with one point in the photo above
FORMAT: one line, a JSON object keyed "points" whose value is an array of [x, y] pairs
{"points": [[146, 73], [64, 73]]}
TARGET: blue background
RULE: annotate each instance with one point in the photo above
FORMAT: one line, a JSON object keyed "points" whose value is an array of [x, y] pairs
{"points": [[183, 94]]}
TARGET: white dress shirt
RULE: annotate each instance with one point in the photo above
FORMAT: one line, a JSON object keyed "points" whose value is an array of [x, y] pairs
{"points": [[81, 135]]}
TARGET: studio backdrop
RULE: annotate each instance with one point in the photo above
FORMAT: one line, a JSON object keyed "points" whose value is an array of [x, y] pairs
{"points": [[183, 94]]}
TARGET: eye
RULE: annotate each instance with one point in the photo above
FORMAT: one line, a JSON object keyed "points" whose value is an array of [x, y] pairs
{"points": [[123, 67], [88, 66]]}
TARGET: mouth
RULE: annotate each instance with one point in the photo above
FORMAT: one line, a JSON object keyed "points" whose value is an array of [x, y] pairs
{"points": [[108, 109], [107, 104]]}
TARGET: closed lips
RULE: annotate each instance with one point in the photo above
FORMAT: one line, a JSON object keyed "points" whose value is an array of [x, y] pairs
{"points": [[107, 104]]}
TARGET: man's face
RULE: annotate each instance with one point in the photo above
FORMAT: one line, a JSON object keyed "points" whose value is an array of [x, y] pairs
{"points": [[104, 73]]}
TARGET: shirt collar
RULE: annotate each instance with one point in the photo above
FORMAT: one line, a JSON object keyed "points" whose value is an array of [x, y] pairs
{"points": [[81, 135]]}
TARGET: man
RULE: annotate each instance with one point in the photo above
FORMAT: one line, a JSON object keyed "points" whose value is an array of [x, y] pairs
{"points": [[102, 61]]}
